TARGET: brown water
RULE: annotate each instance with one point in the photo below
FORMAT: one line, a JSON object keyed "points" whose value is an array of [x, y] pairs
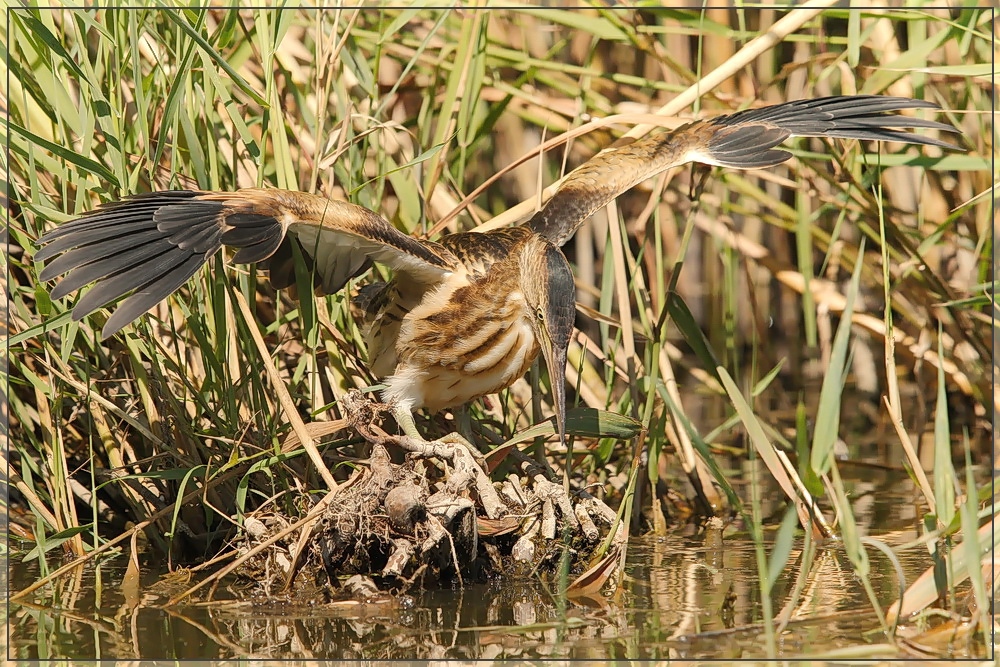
{"points": [[679, 599]]}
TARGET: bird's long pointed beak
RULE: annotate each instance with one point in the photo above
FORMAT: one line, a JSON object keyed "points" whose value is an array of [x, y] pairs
{"points": [[555, 362]]}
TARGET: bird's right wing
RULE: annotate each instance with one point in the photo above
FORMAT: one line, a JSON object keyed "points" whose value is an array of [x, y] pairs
{"points": [[744, 140], [152, 244]]}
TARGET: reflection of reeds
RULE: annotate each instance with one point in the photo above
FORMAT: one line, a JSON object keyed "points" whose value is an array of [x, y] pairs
{"points": [[409, 123]]}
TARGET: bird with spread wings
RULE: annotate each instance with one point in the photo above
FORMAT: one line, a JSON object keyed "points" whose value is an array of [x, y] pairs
{"points": [[464, 316]]}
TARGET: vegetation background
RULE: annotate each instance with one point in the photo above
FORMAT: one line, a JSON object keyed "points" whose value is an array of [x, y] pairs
{"points": [[409, 112]]}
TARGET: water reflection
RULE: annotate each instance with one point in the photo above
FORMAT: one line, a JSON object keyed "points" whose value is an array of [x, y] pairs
{"points": [[683, 597]]}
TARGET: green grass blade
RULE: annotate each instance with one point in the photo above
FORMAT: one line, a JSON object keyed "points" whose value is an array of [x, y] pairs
{"points": [[828, 414]]}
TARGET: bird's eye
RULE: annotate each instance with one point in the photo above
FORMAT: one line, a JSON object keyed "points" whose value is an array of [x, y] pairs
{"points": [[540, 313]]}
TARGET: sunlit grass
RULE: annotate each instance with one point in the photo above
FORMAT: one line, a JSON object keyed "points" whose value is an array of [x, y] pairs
{"points": [[407, 112]]}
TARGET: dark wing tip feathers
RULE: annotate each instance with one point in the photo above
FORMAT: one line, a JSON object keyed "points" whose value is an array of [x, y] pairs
{"points": [[868, 117], [149, 245]]}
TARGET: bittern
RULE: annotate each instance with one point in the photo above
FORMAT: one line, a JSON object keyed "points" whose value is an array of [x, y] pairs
{"points": [[464, 316]]}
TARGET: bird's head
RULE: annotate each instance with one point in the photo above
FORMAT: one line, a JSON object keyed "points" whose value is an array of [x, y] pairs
{"points": [[551, 295]]}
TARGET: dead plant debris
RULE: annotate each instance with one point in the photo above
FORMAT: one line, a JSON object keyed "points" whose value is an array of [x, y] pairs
{"points": [[435, 517]]}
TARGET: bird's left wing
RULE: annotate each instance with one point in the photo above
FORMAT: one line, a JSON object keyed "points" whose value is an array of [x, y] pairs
{"points": [[151, 244]]}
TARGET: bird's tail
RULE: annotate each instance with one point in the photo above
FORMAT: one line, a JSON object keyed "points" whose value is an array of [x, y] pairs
{"points": [[743, 140]]}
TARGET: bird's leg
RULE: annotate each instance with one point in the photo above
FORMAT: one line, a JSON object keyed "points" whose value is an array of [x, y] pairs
{"points": [[405, 420]]}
